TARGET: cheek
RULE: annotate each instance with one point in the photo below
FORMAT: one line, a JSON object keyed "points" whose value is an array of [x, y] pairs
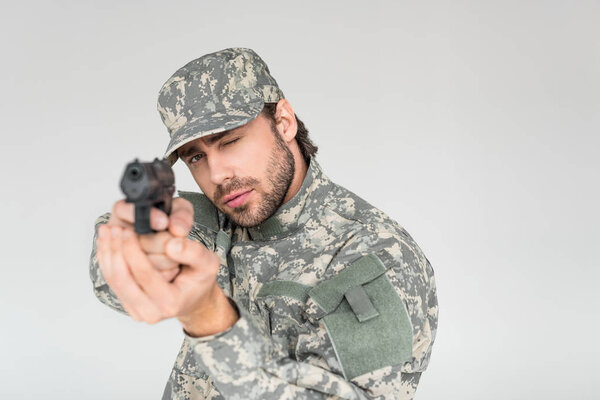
{"points": [[204, 183], [251, 162], [256, 159]]}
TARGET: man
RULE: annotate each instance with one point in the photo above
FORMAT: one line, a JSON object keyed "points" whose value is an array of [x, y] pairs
{"points": [[287, 285]]}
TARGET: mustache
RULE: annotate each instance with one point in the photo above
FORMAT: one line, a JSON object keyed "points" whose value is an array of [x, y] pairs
{"points": [[234, 185]]}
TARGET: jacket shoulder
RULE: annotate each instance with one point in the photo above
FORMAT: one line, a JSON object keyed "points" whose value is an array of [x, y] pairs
{"points": [[371, 228], [354, 208]]}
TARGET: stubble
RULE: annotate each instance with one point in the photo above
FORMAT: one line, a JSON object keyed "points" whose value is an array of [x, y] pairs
{"points": [[280, 170]]}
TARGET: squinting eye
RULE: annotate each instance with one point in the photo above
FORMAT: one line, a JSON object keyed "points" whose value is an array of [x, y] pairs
{"points": [[231, 142]]}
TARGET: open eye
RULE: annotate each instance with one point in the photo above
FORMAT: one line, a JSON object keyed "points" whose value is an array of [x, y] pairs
{"points": [[196, 158]]}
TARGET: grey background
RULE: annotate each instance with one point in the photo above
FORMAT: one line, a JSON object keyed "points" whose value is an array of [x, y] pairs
{"points": [[474, 124]]}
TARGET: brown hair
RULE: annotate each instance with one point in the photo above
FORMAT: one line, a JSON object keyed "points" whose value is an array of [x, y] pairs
{"points": [[307, 147]]}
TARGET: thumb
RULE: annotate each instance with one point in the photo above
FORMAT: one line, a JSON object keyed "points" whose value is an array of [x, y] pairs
{"points": [[181, 218], [189, 252]]}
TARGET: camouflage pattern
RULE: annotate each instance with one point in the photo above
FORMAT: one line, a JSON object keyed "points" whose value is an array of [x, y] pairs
{"points": [[280, 348], [214, 93]]}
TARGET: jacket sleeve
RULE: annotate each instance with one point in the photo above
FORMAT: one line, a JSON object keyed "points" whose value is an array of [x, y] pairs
{"points": [[368, 326], [101, 288]]}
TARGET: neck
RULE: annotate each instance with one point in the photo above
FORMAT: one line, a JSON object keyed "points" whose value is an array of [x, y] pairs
{"points": [[299, 174]]}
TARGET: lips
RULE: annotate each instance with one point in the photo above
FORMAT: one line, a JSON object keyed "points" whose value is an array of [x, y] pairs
{"points": [[237, 199]]}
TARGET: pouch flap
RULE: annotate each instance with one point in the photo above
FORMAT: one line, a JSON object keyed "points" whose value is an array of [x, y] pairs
{"points": [[330, 293]]}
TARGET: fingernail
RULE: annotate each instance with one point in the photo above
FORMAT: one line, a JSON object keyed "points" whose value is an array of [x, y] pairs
{"points": [[101, 232], [115, 231], [126, 234], [175, 245]]}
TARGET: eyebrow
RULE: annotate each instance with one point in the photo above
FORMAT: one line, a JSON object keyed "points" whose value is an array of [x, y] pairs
{"points": [[188, 152], [210, 140]]}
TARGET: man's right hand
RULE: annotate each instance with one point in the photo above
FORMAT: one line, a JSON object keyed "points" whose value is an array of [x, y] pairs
{"points": [[178, 224]]}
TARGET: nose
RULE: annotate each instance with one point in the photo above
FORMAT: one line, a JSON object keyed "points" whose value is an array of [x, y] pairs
{"points": [[219, 168]]}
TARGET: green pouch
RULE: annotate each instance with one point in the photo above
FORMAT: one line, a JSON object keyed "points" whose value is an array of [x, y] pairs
{"points": [[365, 318]]}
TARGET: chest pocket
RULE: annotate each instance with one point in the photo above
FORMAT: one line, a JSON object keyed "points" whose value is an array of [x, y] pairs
{"points": [[365, 317], [281, 305]]}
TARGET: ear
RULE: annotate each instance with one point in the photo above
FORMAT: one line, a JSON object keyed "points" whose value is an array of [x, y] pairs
{"points": [[285, 120]]}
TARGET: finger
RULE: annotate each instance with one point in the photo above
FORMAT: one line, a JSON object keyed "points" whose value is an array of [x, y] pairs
{"points": [[154, 242], [170, 274], [104, 256], [181, 218], [195, 255], [162, 263], [159, 221], [112, 278], [198, 271], [132, 298], [149, 279], [123, 214]]}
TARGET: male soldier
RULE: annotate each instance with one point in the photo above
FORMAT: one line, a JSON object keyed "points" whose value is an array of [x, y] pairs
{"points": [[287, 285]]}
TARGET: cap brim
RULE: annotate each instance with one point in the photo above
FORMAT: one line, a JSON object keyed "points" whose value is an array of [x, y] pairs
{"points": [[211, 124]]}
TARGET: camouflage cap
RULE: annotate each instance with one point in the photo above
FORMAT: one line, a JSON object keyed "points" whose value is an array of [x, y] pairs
{"points": [[215, 93]]}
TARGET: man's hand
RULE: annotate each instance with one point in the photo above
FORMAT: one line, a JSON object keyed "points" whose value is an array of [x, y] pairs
{"points": [[178, 224], [135, 268]]}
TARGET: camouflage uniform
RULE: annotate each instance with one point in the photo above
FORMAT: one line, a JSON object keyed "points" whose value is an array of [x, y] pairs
{"points": [[335, 299]]}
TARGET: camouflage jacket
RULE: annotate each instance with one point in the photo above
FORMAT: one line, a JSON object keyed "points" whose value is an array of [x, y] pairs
{"points": [[336, 301]]}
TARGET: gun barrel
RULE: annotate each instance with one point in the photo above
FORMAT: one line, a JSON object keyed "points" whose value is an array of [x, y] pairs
{"points": [[147, 185]]}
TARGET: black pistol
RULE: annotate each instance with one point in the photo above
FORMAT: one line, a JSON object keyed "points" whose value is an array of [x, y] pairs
{"points": [[148, 185]]}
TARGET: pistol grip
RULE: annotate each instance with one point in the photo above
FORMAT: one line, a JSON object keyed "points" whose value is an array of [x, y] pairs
{"points": [[166, 204], [142, 219]]}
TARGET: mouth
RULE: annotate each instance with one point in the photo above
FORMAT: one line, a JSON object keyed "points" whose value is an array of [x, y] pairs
{"points": [[237, 199]]}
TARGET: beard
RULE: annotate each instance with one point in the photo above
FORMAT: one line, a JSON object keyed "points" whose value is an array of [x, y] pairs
{"points": [[280, 170]]}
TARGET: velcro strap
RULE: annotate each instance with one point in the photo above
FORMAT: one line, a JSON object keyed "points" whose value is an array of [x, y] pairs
{"points": [[360, 303]]}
